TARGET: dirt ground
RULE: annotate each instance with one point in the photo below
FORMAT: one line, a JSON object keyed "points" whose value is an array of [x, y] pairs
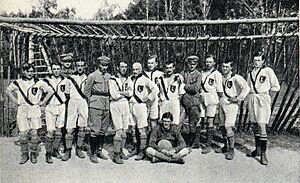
{"points": [[284, 166]]}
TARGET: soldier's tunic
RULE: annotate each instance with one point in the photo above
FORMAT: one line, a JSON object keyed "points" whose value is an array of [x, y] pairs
{"points": [[77, 112], [119, 106], [153, 106], [56, 108], [144, 90], [29, 114], [211, 83], [97, 92], [191, 99], [234, 86], [261, 81], [171, 88]]}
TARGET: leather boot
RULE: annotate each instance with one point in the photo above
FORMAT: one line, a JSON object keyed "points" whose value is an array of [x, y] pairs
{"points": [[79, 152], [230, 154], [223, 149], [117, 159], [48, 158], [257, 150], [196, 144], [33, 157], [99, 151], [93, 146], [123, 156], [133, 152], [140, 156], [67, 155], [210, 134], [24, 150], [56, 154], [263, 157], [24, 158]]}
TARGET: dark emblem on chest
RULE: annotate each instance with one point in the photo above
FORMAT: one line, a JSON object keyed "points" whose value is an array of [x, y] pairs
{"points": [[126, 86], [262, 79], [229, 84], [62, 88], [172, 88], [140, 88], [211, 81], [34, 90]]}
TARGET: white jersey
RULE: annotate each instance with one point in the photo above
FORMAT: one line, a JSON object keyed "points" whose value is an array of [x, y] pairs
{"points": [[32, 89], [71, 89], [154, 75], [143, 89], [171, 88], [211, 81], [263, 80], [235, 86], [117, 84], [58, 84]]}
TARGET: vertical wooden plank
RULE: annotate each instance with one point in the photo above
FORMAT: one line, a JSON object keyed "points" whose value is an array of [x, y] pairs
{"points": [[1, 84]]}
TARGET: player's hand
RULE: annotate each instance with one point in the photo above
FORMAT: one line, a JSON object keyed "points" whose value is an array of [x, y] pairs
{"points": [[165, 152], [233, 100], [172, 152]]}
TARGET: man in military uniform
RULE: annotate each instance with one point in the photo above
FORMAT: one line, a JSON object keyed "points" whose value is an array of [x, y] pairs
{"points": [[166, 142], [153, 73], [77, 111], [97, 93], [67, 64], [144, 91], [191, 99], [120, 90], [262, 80], [55, 112], [235, 90], [171, 90], [29, 92], [211, 89]]}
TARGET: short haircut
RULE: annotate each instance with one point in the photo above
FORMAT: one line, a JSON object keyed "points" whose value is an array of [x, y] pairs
{"points": [[27, 66], [228, 61], [169, 62], [119, 63], [56, 63], [154, 56], [259, 54], [167, 115], [210, 56]]}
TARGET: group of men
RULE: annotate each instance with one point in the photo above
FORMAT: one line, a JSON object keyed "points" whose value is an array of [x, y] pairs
{"points": [[151, 105]]}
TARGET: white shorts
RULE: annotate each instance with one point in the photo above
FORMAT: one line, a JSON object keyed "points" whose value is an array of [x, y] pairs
{"points": [[28, 117], [55, 116], [138, 115], [259, 106], [77, 113], [228, 113], [120, 114], [153, 109], [172, 106], [209, 104]]}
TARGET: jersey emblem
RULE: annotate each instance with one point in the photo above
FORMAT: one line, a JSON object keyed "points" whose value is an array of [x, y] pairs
{"points": [[62, 88], [140, 88], [262, 79], [172, 88], [229, 84], [211, 81], [34, 90]]}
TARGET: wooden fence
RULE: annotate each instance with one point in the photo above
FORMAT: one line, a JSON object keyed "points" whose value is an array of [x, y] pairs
{"points": [[42, 41]]}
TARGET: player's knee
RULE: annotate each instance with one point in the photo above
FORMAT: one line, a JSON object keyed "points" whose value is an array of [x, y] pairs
{"points": [[123, 135], [262, 128], [23, 136], [70, 131], [150, 151], [142, 132], [81, 132]]}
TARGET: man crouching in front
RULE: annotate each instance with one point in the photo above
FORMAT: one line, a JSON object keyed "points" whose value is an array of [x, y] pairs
{"points": [[166, 142]]}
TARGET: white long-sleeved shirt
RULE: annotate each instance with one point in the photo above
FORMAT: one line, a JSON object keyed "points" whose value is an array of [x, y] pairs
{"points": [[235, 85], [263, 80], [71, 89], [117, 84], [211, 81], [173, 87], [59, 85]]}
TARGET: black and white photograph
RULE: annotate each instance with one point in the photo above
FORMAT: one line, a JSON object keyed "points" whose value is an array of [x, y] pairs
{"points": [[151, 91]]}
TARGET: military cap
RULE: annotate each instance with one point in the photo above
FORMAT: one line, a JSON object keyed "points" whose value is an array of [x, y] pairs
{"points": [[103, 60], [192, 58], [68, 57]]}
